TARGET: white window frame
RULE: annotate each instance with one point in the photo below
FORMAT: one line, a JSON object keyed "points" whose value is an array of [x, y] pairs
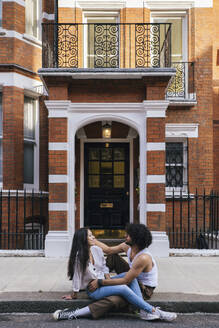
{"points": [[1, 135], [35, 184], [1, 7], [184, 189], [99, 15], [39, 21], [171, 14]]}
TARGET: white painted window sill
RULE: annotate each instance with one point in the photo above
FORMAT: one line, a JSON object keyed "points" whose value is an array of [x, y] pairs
{"points": [[32, 39], [178, 194]]}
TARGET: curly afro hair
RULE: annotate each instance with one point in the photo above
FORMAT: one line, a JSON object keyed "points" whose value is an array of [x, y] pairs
{"points": [[140, 235]]}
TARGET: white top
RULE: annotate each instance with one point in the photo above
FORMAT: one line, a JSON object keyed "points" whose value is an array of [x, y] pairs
{"points": [[146, 278], [93, 271]]}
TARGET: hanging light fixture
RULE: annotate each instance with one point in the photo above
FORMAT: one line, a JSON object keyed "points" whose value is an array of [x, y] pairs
{"points": [[106, 131]]}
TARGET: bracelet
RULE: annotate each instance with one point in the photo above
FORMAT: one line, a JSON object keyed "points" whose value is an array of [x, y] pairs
{"points": [[100, 282]]}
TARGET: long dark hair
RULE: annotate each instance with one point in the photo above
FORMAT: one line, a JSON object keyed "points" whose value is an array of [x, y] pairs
{"points": [[80, 249]]}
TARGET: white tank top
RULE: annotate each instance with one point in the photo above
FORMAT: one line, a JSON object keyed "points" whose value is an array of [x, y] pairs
{"points": [[146, 278]]}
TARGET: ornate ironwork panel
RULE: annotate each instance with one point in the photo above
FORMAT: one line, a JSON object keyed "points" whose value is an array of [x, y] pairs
{"points": [[177, 86], [106, 45], [174, 164], [67, 47], [147, 43]]}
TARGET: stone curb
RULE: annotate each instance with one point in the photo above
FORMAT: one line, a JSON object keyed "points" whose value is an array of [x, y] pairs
{"points": [[49, 306]]}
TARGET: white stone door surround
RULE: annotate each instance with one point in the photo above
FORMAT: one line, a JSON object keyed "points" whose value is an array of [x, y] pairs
{"points": [[79, 115]]}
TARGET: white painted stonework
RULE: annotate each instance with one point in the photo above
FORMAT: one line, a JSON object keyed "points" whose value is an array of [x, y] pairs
{"points": [[160, 244], [119, 4], [57, 244], [81, 114], [182, 130]]}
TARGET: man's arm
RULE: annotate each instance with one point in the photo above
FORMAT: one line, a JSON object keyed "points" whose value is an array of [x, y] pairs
{"points": [[138, 266], [112, 249]]}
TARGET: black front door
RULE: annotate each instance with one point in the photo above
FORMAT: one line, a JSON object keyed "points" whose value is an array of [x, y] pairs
{"points": [[106, 197]]}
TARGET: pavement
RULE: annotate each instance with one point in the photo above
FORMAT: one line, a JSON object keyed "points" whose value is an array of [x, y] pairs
{"points": [[36, 284]]}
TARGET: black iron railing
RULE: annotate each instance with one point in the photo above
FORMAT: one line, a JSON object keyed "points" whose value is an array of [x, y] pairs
{"points": [[182, 86], [23, 219], [106, 45], [194, 220]]}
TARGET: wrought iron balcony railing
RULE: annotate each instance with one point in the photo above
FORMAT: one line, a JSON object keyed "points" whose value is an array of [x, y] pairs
{"points": [[182, 86], [103, 45]]}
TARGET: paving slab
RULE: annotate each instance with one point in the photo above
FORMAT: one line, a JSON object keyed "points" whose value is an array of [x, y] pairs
{"points": [[36, 284]]}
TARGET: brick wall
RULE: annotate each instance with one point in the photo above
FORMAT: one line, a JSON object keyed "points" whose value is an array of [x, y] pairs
{"points": [[13, 153]]}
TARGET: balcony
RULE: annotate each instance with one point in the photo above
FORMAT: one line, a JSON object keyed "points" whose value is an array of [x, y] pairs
{"points": [[181, 88], [106, 46]]}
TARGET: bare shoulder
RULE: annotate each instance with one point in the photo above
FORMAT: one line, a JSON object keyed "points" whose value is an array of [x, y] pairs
{"points": [[144, 258]]}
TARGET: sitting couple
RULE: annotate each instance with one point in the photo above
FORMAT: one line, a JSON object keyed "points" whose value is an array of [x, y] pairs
{"points": [[87, 269]]}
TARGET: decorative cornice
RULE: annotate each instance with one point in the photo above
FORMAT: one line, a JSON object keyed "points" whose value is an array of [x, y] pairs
{"points": [[119, 4], [186, 130], [156, 108], [57, 108], [105, 107], [177, 5]]}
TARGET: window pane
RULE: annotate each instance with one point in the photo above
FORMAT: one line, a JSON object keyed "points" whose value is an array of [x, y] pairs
{"points": [[0, 13], [31, 17], [176, 35], [174, 153], [1, 161], [29, 118], [28, 163], [106, 167], [0, 114], [174, 164], [94, 154], [102, 42], [174, 176], [94, 181], [119, 154], [94, 167], [119, 181], [119, 167], [106, 154]]}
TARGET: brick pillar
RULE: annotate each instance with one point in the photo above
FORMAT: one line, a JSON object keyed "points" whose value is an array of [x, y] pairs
{"points": [[155, 180], [57, 240], [13, 138]]}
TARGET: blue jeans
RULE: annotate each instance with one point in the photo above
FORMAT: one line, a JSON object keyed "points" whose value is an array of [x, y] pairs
{"points": [[131, 293]]}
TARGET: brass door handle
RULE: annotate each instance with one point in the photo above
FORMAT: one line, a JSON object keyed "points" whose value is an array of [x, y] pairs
{"points": [[106, 205]]}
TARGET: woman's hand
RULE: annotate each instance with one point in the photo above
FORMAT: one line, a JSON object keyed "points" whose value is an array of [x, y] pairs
{"points": [[93, 285], [70, 296], [107, 276]]}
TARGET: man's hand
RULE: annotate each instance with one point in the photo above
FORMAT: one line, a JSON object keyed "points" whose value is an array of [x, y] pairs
{"points": [[93, 285]]}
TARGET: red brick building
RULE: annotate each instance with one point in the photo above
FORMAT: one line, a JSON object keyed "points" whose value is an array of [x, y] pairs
{"points": [[132, 110]]}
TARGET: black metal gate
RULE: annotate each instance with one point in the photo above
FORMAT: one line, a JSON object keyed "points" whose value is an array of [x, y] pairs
{"points": [[193, 220]]}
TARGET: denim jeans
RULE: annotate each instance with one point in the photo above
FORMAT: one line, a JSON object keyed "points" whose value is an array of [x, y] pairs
{"points": [[131, 293]]}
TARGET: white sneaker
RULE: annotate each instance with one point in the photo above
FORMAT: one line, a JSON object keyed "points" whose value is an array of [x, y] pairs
{"points": [[65, 314], [148, 316], [163, 315]]}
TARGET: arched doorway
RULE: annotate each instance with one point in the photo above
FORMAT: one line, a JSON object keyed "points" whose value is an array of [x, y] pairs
{"points": [[108, 176]]}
